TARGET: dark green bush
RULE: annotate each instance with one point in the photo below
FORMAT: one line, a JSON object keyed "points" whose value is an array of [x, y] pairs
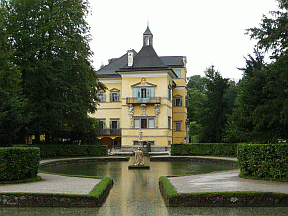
{"points": [[265, 161], [18, 163], [47, 151], [209, 149]]}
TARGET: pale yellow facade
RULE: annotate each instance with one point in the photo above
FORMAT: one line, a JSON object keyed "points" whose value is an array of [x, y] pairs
{"points": [[147, 98]]}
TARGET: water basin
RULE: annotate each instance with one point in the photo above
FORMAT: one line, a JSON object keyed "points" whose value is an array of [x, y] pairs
{"points": [[136, 192]]}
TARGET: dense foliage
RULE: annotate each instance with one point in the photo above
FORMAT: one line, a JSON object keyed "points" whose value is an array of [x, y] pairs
{"points": [[48, 41], [209, 149], [269, 161], [48, 151], [259, 114], [211, 99], [19, 163], [12, 103]]}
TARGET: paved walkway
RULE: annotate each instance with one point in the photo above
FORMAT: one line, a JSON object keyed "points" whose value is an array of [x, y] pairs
{"points": [[228, 181], [225, 182], [54, 184]]}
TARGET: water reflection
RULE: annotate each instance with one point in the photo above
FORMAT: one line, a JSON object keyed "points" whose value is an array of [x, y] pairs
{"points": [[136, 192]]}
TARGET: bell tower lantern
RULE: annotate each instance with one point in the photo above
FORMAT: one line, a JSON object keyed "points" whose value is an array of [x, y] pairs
{"points": [[147, 37]]}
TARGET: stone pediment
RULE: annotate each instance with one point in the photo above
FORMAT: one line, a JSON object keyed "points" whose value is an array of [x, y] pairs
{"points": [[143, 83], [114, 90], [177, 96]]}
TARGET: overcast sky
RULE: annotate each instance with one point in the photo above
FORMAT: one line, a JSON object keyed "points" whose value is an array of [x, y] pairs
{"points": [[206, 31]]}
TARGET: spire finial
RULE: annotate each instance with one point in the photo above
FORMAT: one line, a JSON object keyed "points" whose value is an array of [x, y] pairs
{"points": [[148, 23]]}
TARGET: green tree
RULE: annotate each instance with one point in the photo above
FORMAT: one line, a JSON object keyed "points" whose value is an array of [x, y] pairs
{"points": [[50, 39], [213, 119], [261, 115], [196, 82], [12, 104]]}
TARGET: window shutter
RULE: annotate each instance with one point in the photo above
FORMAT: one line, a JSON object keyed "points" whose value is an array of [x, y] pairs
{"points": [[111, 97], [118, 124], [174, 102], [136, 123], [118, 96], [110, 124], [152, 92], [104, 124], [180, 104], [151, 123], [103, 95], [137, 92]]}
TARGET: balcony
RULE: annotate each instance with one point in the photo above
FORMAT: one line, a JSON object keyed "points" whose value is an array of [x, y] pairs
{"points": [[109, 132], [151, 100]]}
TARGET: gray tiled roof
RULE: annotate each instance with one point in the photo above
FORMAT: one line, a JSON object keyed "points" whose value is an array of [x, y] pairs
{"points": [[146, 59], [173, 61], [147, 32]]}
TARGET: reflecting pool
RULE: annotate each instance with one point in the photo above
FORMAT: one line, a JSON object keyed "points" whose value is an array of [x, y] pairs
{"points": [[136, 192]]}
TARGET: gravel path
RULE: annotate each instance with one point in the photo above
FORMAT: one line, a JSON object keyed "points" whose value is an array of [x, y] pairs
{"points": [[54, 184], [224, 182]]}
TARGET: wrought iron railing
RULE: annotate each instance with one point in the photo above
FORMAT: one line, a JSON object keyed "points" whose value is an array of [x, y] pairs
{"points": [[135, 100], [109, 132]]}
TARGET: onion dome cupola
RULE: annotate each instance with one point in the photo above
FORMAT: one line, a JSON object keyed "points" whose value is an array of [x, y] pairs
{"points": [[147, 37]]}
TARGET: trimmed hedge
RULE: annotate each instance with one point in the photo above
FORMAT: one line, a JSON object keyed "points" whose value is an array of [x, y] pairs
{"points": [[209, 149], [48, 151], [264, 161], [19, 163]]}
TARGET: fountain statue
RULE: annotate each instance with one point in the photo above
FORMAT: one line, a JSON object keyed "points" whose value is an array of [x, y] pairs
{"points": [[139, 157]]}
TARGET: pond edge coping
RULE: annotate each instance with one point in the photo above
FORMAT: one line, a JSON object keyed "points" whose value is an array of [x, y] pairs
{"points": [[98, 194], [215, 199]]}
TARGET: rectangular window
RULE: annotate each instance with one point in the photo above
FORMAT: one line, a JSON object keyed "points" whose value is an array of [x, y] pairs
{"points": [[114, 124], [102, 124], [152, 143], [101, 97], [136, 123], [151, 123], [143, 123], [143, 92], [114, 96], [169, 94], [169, 122], [178, 126], [177, 102], [178, 73]]}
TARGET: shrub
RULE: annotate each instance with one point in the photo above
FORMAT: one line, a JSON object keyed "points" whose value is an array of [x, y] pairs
{"points": [[18, 163], [72, 150], [265, 161], [211, 149]]}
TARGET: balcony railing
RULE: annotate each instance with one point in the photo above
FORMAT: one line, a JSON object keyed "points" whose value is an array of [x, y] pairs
{"points": [[109, 132], [151, 100]]}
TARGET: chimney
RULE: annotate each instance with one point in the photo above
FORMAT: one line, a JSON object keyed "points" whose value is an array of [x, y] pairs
{"points": [[130, 58]]}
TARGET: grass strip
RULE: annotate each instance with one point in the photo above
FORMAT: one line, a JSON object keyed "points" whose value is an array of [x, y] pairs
{"points": [[21, 181], [100, 188], [220, 199]]}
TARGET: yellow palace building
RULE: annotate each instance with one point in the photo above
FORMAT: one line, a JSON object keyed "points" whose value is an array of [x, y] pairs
{"points": [[146, 94]]}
